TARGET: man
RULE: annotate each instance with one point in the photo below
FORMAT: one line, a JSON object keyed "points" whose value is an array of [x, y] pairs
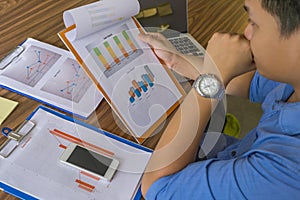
{"points": [[264, 66]]}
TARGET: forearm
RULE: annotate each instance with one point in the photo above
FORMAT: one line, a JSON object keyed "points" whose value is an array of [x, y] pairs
{"points": [[186, 65], [240, 85], [180, 142]]}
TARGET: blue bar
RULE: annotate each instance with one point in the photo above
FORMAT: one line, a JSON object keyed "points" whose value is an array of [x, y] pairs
{"points": [[147, 79], [131, 99], [143, 86], [137, 92]]}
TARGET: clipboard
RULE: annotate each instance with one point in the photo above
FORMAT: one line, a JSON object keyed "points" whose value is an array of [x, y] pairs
{"points": [[11, 56], [50, 75], [137, 85], [14, 138], [36, 158]]}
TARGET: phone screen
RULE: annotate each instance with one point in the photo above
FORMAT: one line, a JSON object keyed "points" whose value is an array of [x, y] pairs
{"points": [[89, 160]]}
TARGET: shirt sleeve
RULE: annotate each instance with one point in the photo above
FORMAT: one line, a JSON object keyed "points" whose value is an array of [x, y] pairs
{"points": [[254, 176], [190, 183], [260, 87], [215, 146]]}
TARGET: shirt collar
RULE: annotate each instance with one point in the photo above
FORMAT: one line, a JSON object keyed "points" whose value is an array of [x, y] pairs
{"points": [[289, 112]]}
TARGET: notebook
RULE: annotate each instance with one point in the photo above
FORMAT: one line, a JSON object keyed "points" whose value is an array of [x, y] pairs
{"points": [[171, 19]]}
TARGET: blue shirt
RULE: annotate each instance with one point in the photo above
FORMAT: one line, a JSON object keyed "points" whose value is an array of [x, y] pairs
{"points": [[265, 164]]}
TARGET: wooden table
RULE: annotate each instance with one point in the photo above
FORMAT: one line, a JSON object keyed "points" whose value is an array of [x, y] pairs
{"points": [[42, 20]]}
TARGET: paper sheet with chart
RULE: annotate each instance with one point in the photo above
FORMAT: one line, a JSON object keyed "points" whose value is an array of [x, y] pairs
{"points": [[126, 70], [34, 167], [51, 75]]}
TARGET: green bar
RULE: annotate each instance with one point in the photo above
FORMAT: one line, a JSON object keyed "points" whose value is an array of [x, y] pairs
{"points": [[97, 51], [106, 44], [117, 39], [125, 35]]}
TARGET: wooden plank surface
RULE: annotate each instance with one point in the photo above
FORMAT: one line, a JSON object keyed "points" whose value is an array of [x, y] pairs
{"points": [[42, 20]]}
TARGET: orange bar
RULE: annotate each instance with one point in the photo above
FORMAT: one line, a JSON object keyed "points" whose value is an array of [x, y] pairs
{"points": [[151, 77], [62, 146], [85, 188], [145, 83], [85, 184], [90, 175], [131, 93], [136, 85]]}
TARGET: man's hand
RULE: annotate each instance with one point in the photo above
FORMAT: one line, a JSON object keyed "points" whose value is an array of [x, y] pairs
{"points": [[172, 58], [162, 47], [231, 53]]}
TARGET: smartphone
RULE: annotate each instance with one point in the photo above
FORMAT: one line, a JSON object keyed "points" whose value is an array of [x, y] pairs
{"points": [[90, 161]]}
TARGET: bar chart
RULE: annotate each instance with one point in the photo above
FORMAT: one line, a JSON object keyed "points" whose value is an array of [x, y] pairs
{"points": [[148, 96], [115, 52], [146, 82]]}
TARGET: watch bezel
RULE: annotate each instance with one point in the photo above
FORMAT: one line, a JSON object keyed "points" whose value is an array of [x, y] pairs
{"points": [[221, 90]]}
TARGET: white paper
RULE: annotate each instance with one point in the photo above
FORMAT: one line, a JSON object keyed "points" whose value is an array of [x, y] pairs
{"points": [[51, 75], [99, 15], [34, 167]]}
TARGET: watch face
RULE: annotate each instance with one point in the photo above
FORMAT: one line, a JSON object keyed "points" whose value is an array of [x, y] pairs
{"points": [[209, 86]]}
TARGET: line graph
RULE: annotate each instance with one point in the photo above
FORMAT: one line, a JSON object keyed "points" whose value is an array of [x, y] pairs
{"points": [[69, 82], [32, 65]]}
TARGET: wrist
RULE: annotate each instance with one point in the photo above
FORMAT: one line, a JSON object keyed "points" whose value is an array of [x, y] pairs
{"points": [[224, 76], [226, 81], [195, 76]]}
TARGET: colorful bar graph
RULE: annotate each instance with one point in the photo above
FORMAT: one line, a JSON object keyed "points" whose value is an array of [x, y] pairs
{"points": [[101, 58], [115, 51], [111, 52], [141, 86]]}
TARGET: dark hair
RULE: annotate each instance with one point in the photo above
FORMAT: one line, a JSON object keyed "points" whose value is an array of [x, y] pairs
{"points": [[287, 13]]}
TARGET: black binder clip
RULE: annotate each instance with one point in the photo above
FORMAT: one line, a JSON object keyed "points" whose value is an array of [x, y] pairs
{"points": [[14, 137], [11, 56]]}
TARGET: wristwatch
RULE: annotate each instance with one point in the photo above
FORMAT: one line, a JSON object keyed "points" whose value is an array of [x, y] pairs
{"points": [[209, 86]]}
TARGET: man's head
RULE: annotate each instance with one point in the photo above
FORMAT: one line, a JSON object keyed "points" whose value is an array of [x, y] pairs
{"points": [[286, 13], [274, 35]]}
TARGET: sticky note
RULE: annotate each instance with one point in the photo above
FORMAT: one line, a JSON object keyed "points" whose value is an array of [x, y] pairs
{"points": [[6, 107]]}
